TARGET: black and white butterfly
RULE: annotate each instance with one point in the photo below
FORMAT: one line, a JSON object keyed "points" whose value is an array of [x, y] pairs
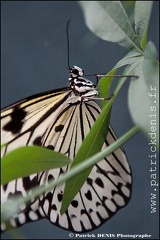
{"points": [[60, 120]]}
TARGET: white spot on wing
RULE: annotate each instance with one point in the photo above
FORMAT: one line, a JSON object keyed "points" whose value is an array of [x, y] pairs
{"points": [[33, 216], [109, 204], [119, 200], [126, 191], [22, 218]]}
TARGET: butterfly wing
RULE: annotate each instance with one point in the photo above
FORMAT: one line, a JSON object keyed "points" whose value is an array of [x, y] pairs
{"points": [[22, 121], [22, 124], [63, 123], [107, 188]]}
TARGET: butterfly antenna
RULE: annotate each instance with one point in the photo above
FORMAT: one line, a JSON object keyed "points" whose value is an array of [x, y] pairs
{"points": [[67, 33], [51, 48]]}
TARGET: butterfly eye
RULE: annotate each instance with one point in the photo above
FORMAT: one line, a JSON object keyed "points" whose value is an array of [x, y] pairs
{"points": [[75, 72]]}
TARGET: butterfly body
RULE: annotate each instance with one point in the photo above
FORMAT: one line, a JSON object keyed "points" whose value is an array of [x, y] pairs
{"points": [[60, 120]]}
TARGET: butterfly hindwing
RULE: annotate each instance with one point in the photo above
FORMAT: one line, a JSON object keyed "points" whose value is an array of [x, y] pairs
{"points": [[106, 190]]}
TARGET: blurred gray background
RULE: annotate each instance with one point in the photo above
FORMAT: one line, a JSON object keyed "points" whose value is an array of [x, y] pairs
{"points": [[29, 67]]}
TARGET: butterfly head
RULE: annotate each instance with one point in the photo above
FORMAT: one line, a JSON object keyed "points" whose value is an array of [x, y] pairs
{"points": [[76, 72]]}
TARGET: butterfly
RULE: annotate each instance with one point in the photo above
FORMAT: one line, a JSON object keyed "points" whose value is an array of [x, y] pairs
{"points": [[60, 120]]}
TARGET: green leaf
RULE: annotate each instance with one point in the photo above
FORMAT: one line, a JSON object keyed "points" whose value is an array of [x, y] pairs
{"points": [[104, 86], [144, 94], [142, 16], [109, 21], [25, 161], [92, 143], [151, 65]]}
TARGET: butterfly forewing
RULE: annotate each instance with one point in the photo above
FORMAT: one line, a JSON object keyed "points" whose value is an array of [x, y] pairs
{"points": [[60, 120], [21, 122]]}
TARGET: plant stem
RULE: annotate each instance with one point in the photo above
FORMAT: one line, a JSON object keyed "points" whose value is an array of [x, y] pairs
{"points": [[88, 162]]}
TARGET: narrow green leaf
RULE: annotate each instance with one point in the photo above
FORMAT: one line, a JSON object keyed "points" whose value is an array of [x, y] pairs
{"points": [[104, 86], [91, 145], [74, 184], [144, 94], [142, 16], [109, 21], [25, 161]]}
